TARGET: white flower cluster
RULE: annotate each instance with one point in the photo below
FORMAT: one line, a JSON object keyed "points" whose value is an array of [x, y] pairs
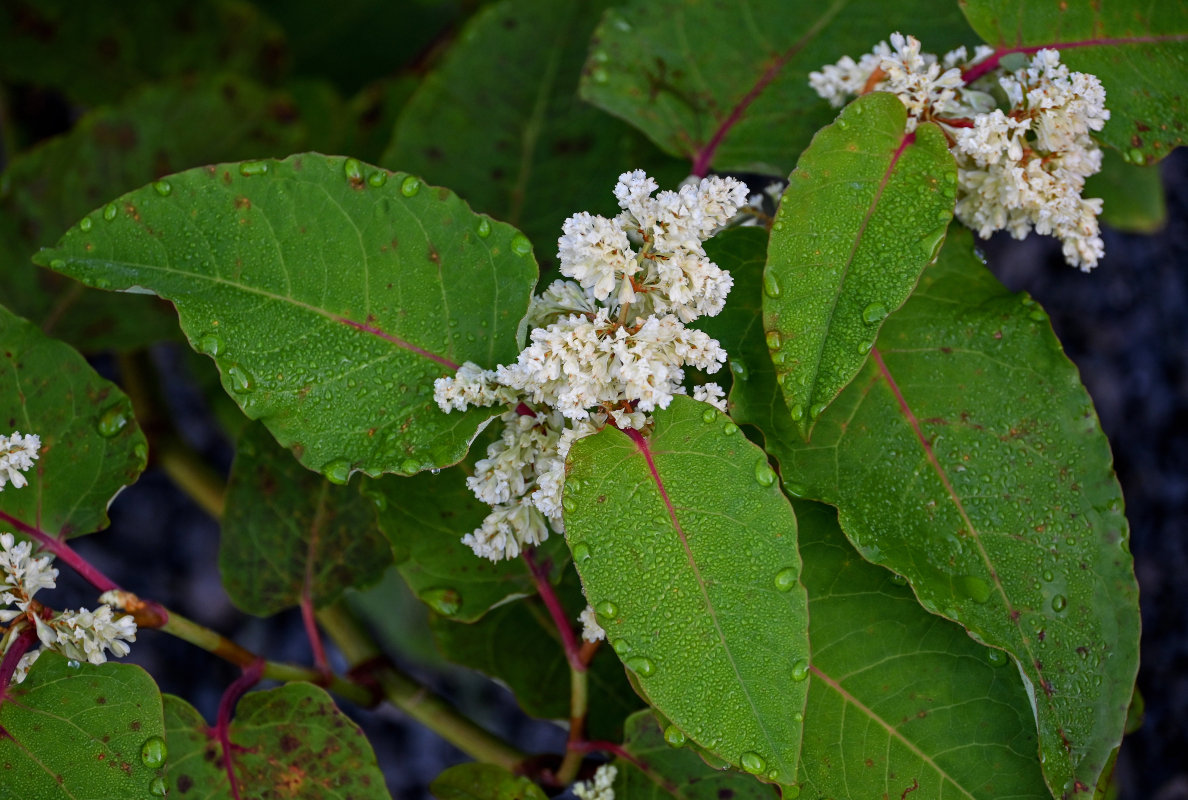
{"points": [[1019, 169], [591, 630], [610, 344], [600, 787], [17, 454], [81, 635]]}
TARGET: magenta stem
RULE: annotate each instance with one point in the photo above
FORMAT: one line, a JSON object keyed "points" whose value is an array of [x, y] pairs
{"points": [[65, 553], [16, 650], [222, 729], [315, 637], [541, 576]]}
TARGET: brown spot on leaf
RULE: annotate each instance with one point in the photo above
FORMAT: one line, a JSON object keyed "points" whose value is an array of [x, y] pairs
{"points": [[184, 784], [242, 202]]}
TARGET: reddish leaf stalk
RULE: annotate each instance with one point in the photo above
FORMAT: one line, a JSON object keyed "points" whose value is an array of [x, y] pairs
{"points": [[222, 729], [541, 576], [315, 637]]}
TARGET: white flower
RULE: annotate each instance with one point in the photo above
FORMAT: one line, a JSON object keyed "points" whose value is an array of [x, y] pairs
{"points": [[560, 299], [17, 454], [600, 787], [711, 393], [22, 667], [22, 575], [591, 630], [471, 385], [83, 635], [506, 530]]}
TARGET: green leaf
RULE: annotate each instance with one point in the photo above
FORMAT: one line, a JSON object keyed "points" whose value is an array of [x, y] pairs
{"points": [[483, 782], [330, 293], [425, 518], [91, 446], [726, 84], [1138, 52], [687, 551], [865, 211], [898, 698], [518, 644], [160, 129], [967, 457], [289, 742], [94, 53], [661, 770], [499, 121], [81, 731], [1132, 196], [288, 532]]}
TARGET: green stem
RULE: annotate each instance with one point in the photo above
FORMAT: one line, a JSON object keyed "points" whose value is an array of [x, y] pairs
{"points": [[410, 696], [228, 650], [579, 698]]}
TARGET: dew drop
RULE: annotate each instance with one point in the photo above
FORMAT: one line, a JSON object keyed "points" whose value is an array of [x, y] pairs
{"points": [[110, 211], [739, 368], [875, 312], [607, 609], [158, 787], [1136, 156], [899, 580], [785, 579], [796, 489], [996, 657], [520, 245], [764, 475], [864, 347], [446, 602], [816, 410], [1048, 576], [353, 170], [112, 421], [773, 340], [410, 466], [241, 379], [779, 357], [842, 124], [57, 263], [377, 178], [621, 646], [795, 412], [250, 168], [73, 664], [484, 228], [163, 188], [1059, 603], [581, 552], [932, 243], [599, 75], [153, 752], [410, 186], [709, 415], [771, 285], [85, 224], [641, 666], [729, 429], [800, 670], [337, 471], [568, 505], [210, 344], [674, 736], [752, 762]]}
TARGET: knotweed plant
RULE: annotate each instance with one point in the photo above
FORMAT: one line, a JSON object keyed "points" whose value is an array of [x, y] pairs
{"points": [[755, 492]]}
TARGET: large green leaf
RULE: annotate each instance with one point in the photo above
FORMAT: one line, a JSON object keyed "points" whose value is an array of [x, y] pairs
{"points": [[330, 293], [483, 782], [1137, 50], [289, 742], [898, 698], [518, 644], [687, 551], [500, 122], [425, 518], [967, 457], [726, 84], [81, 732], [91, 446], [865, 211], [95, 52], [288, 532], [663, 770], [160, 129]]}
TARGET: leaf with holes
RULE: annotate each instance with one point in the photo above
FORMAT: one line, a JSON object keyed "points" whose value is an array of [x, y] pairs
{"points": [[331, 294], [967, 457], [726, 84], [661, 768], [287, 742], [91, 446], [687, 551], [82, 731], [289, 533], [1138, 52], [483, 782], [535, 669], [865, 210], [901, 702]]}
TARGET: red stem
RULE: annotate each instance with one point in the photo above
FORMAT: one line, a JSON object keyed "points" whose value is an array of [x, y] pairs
{"points": [[541, 576], [16, 650], [315, 638], [222, 729]]}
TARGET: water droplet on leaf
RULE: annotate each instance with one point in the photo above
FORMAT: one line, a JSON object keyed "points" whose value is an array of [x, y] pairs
{"points": [[210, 344], [771, 285], [112, 421], [410, 186], [484, 228], [674, 736], [338, 471], [752, 762], [410, 466], [773, 340], [640, 665], [241, 379], [729, 429], [800, 670], [1059, 603], [353, 170], [158, 787], [568, 505], [996, 657], [581, 552], [110, 211], [153, 752], [621, 646], [163, 188], [520, 245], [378, 178], [607, 609], [250, 168], [764, 475], [84, 224], [709, 415], [875, 312], [785, 579]]}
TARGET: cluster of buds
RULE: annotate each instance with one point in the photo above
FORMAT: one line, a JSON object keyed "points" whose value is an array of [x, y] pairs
{"points": [[608, 345], [1019, 169]]}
